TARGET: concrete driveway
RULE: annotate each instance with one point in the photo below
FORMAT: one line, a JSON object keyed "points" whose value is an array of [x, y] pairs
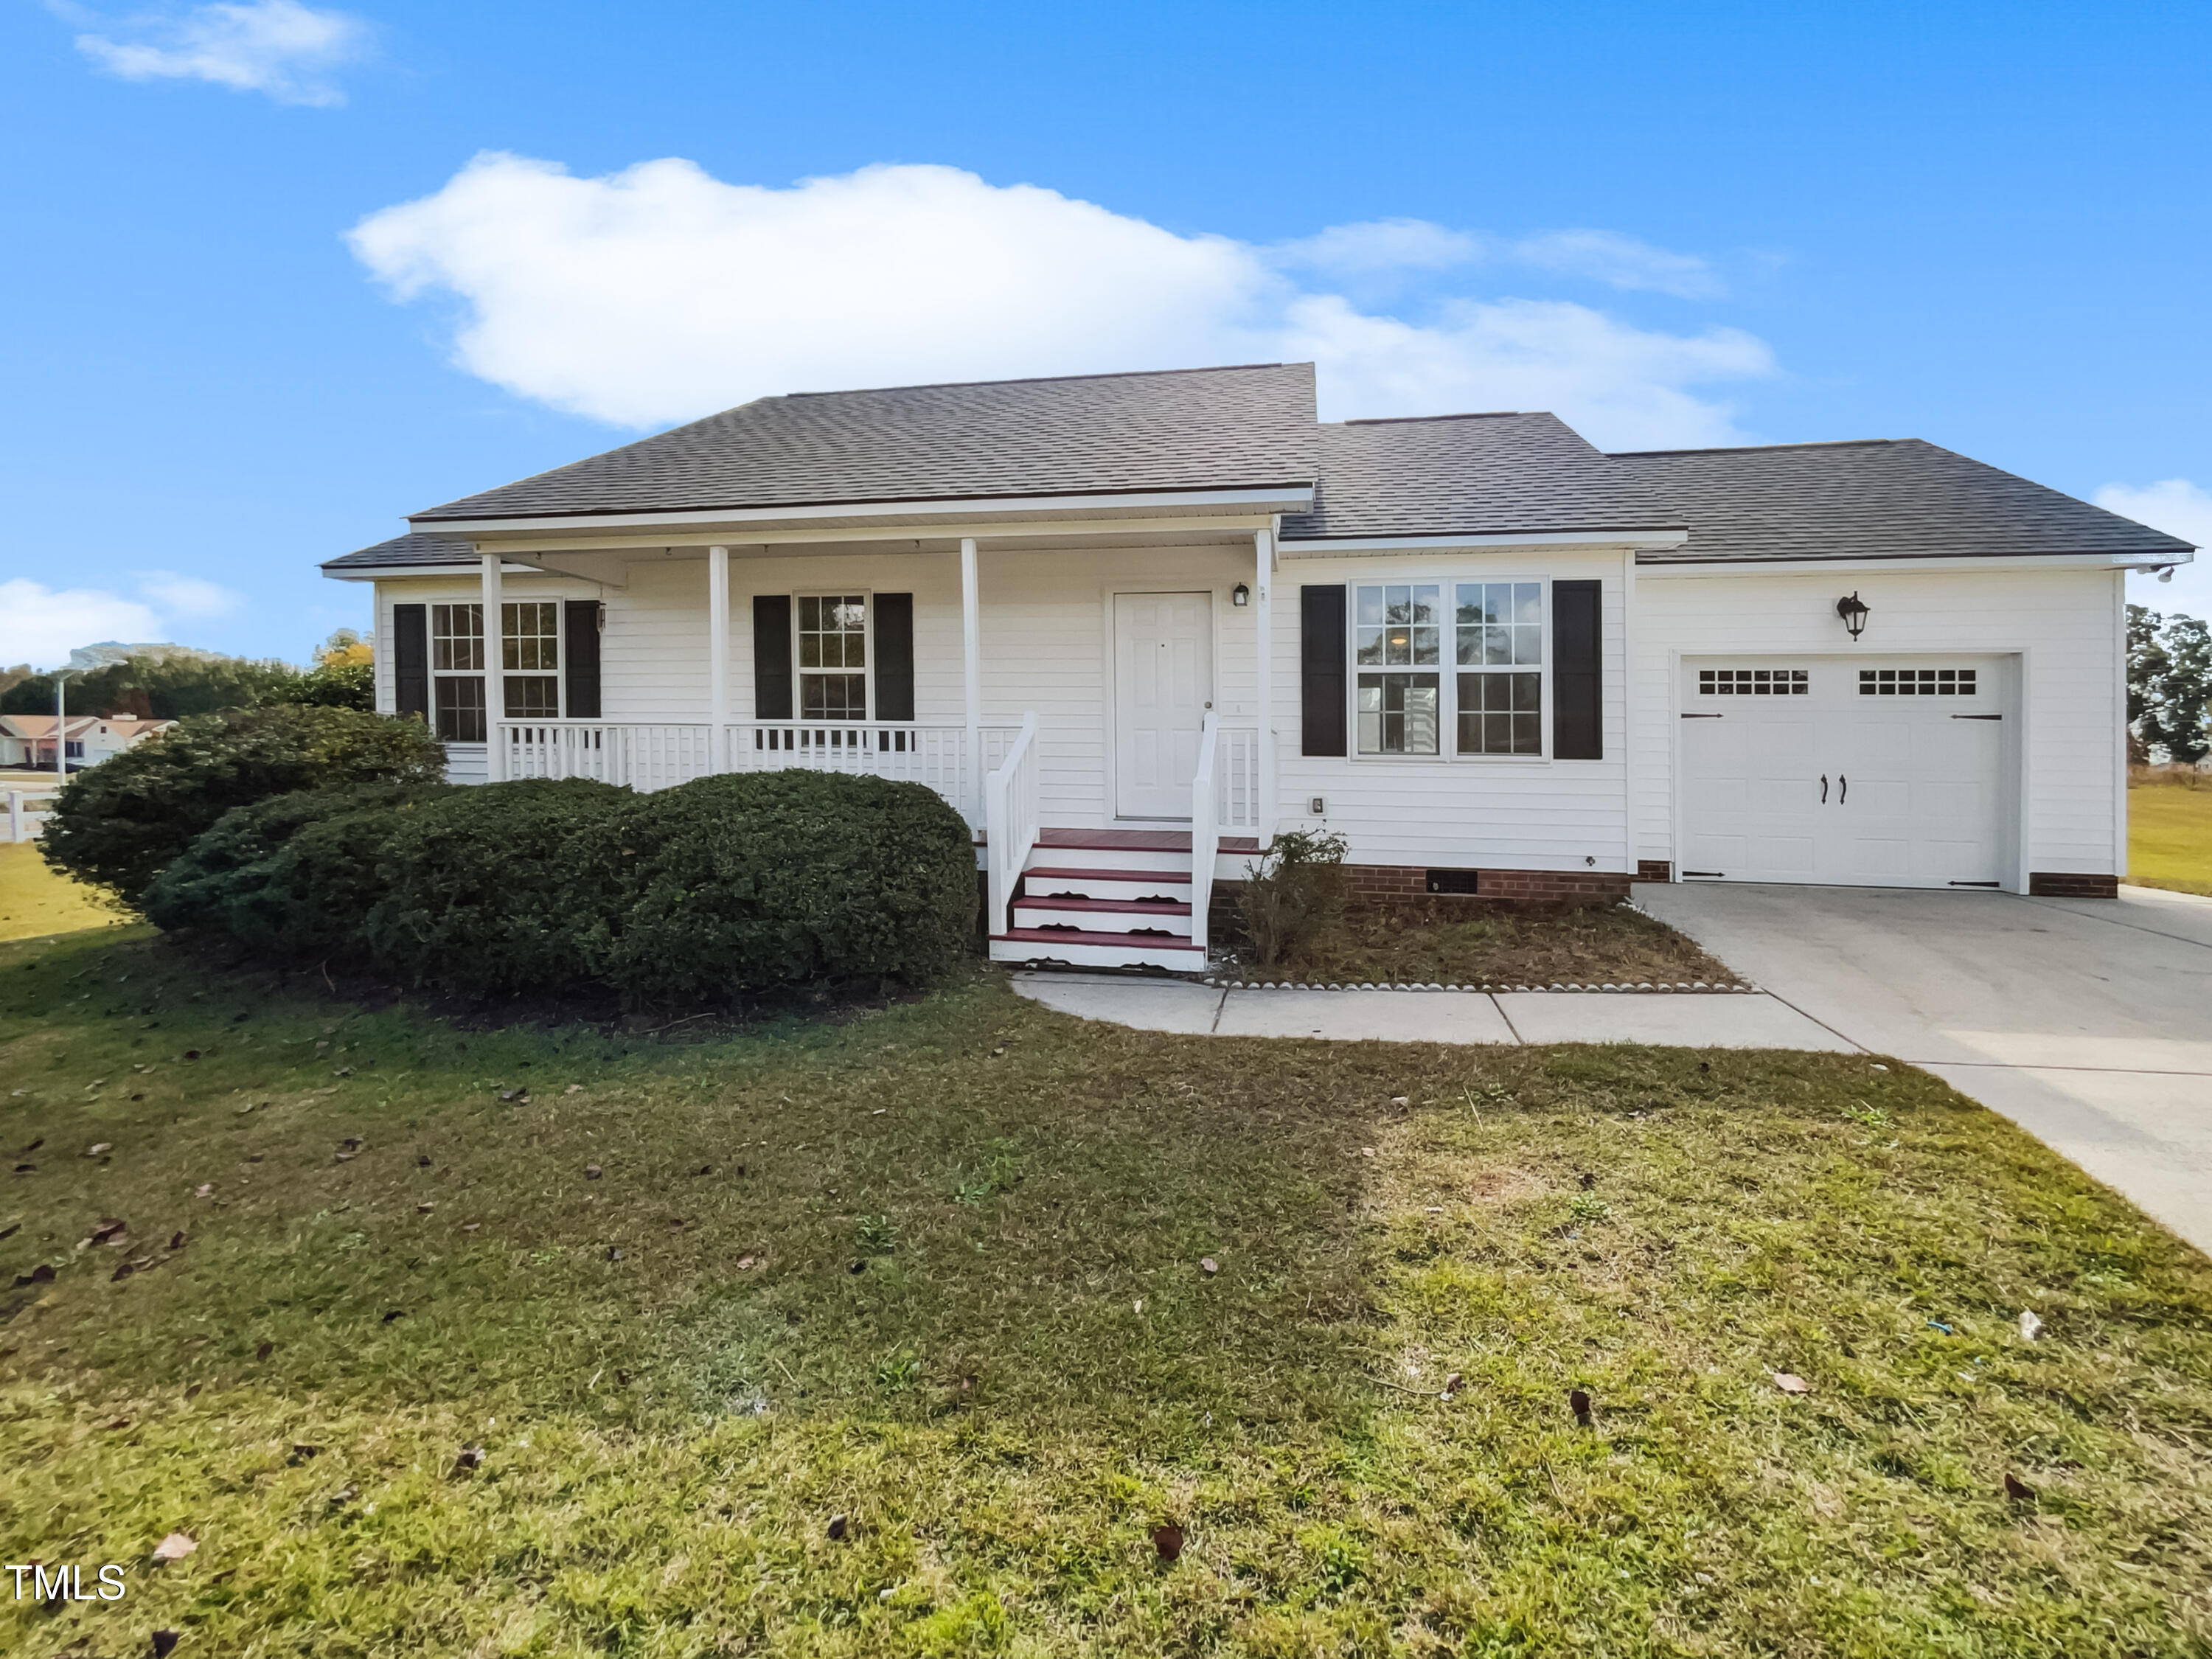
{"points": [[2087, 1022]]}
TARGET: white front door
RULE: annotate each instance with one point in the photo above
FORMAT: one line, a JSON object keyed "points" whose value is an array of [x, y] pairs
{"points": [[1851, 771], [1162, 686]]}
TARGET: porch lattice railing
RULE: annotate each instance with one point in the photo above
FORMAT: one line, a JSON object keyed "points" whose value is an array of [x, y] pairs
{"points": [[656, 756]]}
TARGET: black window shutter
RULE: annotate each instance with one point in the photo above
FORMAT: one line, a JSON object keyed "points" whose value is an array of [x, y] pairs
{"points": [[771, 656], [411, 660], [1323, 706], [1577, 722], [894, 656], [579, 643]]}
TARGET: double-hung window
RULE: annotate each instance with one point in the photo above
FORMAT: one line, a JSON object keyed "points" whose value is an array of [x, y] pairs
{"points": [[1398, 646], [833, 657], [530, 648], [457, 664], [1491, 703], [1501, 657]]}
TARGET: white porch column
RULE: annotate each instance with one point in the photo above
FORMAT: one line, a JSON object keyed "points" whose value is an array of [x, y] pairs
{"points": [[971, 665], [1263, 675], [717, 657], [495, 649]]}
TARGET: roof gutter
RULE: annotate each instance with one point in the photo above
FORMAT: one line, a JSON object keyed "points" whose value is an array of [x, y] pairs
{"points": [[1324, 547]]}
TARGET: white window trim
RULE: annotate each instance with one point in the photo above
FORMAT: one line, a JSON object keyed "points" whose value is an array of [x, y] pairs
{"points": [[867, 596], [558, 674], [481, 675], [1447, 699]]}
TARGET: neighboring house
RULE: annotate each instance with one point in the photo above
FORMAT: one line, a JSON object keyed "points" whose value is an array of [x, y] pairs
{"points": [[1495, 659], [26, 741]]}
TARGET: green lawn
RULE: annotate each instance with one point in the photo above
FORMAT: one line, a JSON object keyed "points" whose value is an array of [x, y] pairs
{"points": [[939, 1269], [2170, 837], [35, 899]]}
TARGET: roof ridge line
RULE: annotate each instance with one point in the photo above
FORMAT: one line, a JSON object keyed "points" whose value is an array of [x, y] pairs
{"points": [[1032, 379], [1411, 420], [1753, 449]]}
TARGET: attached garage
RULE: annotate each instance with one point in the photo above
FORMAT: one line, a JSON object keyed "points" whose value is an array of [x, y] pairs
{"points": [[1851, 770]]}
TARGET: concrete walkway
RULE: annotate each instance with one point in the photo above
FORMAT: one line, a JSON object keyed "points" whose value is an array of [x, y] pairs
{"points": [[2087, 1022], [1741, 1020]]}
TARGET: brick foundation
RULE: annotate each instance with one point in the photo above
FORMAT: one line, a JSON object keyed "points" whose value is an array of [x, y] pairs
{"points": [[2055, 883], [1653, 870], [1392, 883]]}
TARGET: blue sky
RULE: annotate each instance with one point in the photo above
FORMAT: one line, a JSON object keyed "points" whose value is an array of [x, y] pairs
{"points": [[282, 273]]}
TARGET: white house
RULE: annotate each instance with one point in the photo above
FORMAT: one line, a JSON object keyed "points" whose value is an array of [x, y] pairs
{"points": [[1132, 625], [26, 741]]}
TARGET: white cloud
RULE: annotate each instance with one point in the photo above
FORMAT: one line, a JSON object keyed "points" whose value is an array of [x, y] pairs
{"points": [[279, 47], [41, 625], [660, 294], [2179, 508], [1621, 261], [1380, 245], [186, 596]]}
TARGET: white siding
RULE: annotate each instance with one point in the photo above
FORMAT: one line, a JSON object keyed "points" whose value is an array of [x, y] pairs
{"points": [[1490, 812], [2060, 623]]}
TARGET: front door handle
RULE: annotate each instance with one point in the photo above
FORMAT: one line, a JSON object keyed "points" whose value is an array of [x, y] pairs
{"points": [[1824, 788], [1845, 792]]}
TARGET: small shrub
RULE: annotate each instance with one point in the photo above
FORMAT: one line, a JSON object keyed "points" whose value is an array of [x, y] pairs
{"points": [[294, 873], [750, 881], [118, 824], [1294, 892], [488, 890]]}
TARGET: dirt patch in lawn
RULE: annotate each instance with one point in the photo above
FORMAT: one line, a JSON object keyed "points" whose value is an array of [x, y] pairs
{"points": [[1475, 942]]}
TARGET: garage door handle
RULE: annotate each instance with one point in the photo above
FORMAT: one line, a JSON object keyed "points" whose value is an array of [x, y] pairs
{"points": [[1843, 793], [1976, 717], [1824, 788]]}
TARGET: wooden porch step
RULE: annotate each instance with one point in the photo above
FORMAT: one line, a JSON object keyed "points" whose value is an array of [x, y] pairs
{"points": [[1108, 907], [1082, 948], [1087, 915], [1054, 872], [1139, 841]]}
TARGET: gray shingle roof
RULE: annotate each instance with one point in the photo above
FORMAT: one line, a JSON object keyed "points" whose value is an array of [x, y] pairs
{"points": [[1209, 428], [1881, 498], [1470, 474], [407, 550]]}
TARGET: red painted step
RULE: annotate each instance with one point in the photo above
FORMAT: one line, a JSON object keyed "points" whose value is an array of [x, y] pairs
{"points": [[1120, 907]]}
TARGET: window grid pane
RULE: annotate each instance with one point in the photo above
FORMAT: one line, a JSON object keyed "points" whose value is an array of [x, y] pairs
{"points": [[461, 707], [833, 635], [530, 635], [833, 697], [532, 697], [457, 639], [1500, 652], [1398, 714]]}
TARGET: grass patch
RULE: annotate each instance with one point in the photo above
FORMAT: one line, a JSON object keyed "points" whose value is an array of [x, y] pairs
{"points": [[36, 899], [2170, 837], [1476, 942], [938, 1270]]}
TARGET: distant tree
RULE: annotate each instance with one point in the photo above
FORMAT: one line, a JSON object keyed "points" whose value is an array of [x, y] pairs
{"points": [[10, 677], [167, 688], [345, 648], [2169, 687]]}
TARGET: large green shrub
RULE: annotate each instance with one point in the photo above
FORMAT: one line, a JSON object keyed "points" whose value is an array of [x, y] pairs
{"points": [[753, 880], [487, 890], [118, 824], [294, 873]]}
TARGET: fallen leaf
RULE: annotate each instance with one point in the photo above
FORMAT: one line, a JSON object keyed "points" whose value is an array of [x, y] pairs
{"points": [[708, 1169], [423, 1162], [1452, 1384], [573, 1089], [858, 1267], [98, 1148], [1167, 1541], [2017, 1489], [590, 1172], [840, 1526], [424, 1209], [1367, 1152], [26, 1169], [176, 1241], [1586, 1179], [394, 1313], [175, 1547], [2030, 1325], [1208, 1265], [300, 1454], [124, 1271], [192, 1054], [264, 1350], [747, 1263], [41, 1274], [193, 1390], [109, 1229], [515, 1096], [11, 1230], [613, 1254], [206, 1189], [165, 1642], [344, 1157], [35, 1145], [471, 1457], [344, 1495], [1400, 1100], [1790, 1383], [1579, 1403], [471, 1226], [119, 1423]]}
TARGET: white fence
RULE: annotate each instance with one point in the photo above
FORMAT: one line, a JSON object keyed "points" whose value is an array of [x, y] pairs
{"points": [[27, 812], [660, 755]]}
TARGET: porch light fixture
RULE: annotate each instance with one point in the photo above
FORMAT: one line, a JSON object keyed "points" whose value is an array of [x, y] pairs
{"points": [[1240, 596], [1853, 609]]}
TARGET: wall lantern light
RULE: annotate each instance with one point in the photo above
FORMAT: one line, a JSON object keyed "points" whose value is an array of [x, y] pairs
{"points": [[1240, 595], [1853, 611]]}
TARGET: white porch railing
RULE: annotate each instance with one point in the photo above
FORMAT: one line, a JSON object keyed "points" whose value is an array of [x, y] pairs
{"points": [[27, 812], [1236, 771], [1011, 814], [1204, 826], [660, 755], [640, 757]]}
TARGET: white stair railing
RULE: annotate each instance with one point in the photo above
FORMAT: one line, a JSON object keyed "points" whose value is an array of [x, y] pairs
{"points": [[1205, 828], [1010, 821]]}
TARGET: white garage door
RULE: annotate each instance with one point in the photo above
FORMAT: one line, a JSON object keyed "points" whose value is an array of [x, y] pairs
{"points": [[1857, 771]]}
